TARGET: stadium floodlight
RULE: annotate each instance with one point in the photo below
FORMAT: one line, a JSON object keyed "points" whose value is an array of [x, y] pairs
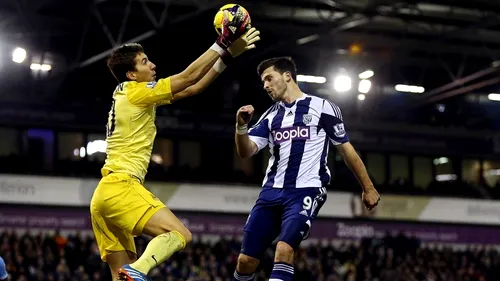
{"points": [[96, 147], [492, 172], [366, 74], [494, 97], [364, 86], [311, 79], [157, 159], [18, 55], [409, 89], [342, 83], [446, 177], [361, 97], [82, 152], [42, 67], [440, 161]]}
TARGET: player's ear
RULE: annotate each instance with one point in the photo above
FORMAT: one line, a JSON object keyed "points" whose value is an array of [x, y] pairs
{"points": [[131, 75], [288, 76]]}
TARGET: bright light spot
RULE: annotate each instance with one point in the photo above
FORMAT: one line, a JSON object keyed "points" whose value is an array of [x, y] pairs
{"points": [[409, 89], [311, 79], [441, 108], [82, 152], [157, 158], [42, 67], [440, 161], [19, 55], [494, 97], [492, 172], [446, 177], [96, 146], [342, 83], [366, 74], [361, 97], [76, 151], [364, 86], [355, 48]]}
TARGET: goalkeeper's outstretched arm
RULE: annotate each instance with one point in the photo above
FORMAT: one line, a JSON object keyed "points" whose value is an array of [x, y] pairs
{"points": [[199, 87], [246, 42], [215, 58], [196, 70]]}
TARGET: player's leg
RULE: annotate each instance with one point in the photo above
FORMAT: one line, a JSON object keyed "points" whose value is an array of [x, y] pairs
{"points": [[301, 207], [262, 227], [116, 247], [126, 207], [170, 235], [116, 260]]}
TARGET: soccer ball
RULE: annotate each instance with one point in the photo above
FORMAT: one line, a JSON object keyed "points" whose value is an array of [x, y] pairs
{"points": [[234, 10]]}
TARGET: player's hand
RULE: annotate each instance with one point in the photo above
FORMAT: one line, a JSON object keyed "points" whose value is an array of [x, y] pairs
{"points": [[370, 198], [232, 29], [245, 42], [244, 115]]}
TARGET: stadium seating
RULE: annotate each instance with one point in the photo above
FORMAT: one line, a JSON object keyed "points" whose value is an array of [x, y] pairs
{"points": [[43, 257]]}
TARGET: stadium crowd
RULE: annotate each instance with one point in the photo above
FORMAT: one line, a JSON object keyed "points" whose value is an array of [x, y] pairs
{"points": [[42, 257]]}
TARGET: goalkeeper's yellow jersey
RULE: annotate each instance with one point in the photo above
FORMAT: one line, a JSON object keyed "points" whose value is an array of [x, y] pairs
{"points": [[131, 130]]}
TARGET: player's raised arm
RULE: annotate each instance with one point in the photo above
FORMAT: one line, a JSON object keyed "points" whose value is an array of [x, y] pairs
{"points": [[222, 52], [194, 79], [244, 145], [242, 44], [333, 124], [250, 141]]}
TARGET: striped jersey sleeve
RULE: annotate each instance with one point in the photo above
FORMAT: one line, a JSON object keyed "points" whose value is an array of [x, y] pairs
{"points": [[332, 122], [259, 133]]}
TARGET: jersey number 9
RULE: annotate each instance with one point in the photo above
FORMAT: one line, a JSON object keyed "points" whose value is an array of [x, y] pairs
{"points": [[307, 203], [110, 127]]}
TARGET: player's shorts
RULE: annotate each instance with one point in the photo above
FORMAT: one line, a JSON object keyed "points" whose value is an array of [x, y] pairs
{"points": [[286, 214], [120, 207]]}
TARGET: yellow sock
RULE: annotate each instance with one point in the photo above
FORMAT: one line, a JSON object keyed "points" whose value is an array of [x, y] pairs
{"points": [[159, 250]]}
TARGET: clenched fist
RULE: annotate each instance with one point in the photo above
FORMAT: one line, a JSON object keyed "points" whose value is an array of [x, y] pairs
{"points": [[244, 115], [370, 198]]}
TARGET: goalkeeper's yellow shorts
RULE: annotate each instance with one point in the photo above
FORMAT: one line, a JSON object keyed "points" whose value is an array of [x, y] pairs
{"points": [[120, 207]]}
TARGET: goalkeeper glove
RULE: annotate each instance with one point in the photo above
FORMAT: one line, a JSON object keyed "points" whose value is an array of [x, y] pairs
{"points": [[244, 43], [232, 30]]}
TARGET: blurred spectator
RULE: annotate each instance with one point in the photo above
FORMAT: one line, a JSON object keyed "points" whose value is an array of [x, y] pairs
{"points": [[400, 258]]}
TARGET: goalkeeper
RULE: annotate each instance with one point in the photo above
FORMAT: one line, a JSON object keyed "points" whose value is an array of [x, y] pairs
{"points": [[121, 207]]}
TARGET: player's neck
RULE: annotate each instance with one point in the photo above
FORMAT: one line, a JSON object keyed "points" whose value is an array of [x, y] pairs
{"points": [[292, 94]]}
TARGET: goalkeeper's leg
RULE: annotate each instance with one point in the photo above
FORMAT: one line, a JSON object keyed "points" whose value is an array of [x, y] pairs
{"points": [[170, 236]]}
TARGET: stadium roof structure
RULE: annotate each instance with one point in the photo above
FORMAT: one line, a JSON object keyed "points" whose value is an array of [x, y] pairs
{"points": [[451, 48]]}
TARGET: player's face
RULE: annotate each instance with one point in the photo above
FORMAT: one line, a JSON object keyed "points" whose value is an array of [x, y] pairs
{"points": [[274, 83], [145, 69]]}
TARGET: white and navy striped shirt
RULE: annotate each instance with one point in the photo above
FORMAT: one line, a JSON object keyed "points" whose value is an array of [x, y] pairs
{"points": [[298, 136]]}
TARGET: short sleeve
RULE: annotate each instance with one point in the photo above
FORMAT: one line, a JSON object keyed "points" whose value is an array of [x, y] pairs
{"points": [[259, 133], [148, 93], [332, 122]]}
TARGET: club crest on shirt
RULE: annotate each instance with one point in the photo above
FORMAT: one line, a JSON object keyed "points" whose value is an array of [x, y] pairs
{"points": [[307, 118], [339, 130], [151, 84]]}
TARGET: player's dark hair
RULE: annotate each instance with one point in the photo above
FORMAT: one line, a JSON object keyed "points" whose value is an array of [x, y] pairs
{"points": [[280, 64], [122, 60]]}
